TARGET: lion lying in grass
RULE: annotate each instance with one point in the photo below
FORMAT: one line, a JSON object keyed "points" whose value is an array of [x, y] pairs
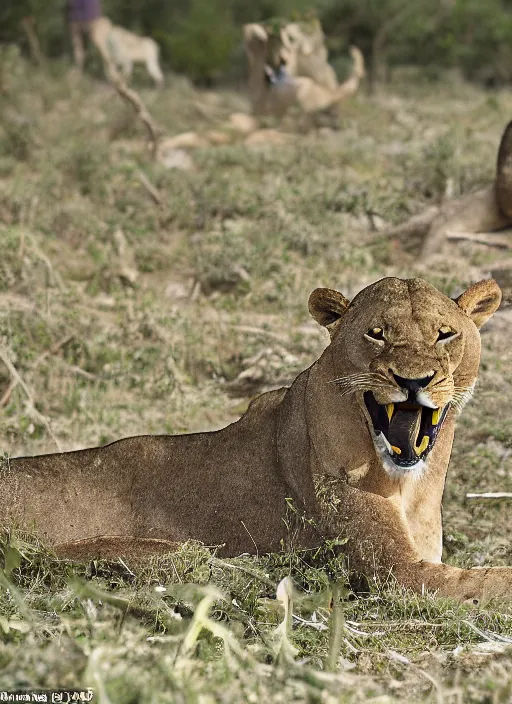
{"points": [[470, 217], [371, 423], [120, 49], [288, 64]]}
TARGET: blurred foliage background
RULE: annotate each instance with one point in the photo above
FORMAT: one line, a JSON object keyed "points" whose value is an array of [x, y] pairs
{"points": [[202, 38]]}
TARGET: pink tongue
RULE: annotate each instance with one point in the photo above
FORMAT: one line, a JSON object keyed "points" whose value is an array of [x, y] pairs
{"points": [[403, 430]]}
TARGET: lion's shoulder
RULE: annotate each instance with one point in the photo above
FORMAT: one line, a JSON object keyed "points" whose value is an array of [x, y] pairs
{"points": [[268, 401]]}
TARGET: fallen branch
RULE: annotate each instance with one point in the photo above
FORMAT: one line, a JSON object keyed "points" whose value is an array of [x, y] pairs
{"points": [[491, 495], [130, 96], [153, 192], [75, 369], [489, 240], [6, 396], [53, 350]]}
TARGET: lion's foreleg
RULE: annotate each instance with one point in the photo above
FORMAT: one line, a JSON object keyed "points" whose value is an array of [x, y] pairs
{"points": [[412, 233], [435, 237], [100, 40], [473, 214], [476, 585], [380, 543]]}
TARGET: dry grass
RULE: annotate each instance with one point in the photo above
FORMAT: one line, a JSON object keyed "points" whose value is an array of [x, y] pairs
{"points": [[172, 325]]}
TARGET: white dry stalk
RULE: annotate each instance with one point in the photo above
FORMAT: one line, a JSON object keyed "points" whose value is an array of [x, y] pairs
{"points": [[491, 495], [336, 630], [93, 675], [284, 649], [201, 620], [198, 621]]}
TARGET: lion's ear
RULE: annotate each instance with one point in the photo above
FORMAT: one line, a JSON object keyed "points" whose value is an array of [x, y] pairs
{"points": [[255, 32], [327, 305], [480, 301]]}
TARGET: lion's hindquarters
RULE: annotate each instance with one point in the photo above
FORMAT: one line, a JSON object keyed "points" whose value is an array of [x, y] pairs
{"points": [[139, 50], [504, 173], [122, 48], [171, 488], [66, 496], [152, 63], [113, 546]]}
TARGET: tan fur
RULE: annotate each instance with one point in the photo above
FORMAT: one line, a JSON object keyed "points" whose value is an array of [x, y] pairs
{"points": [[306, 55], [144, 494], [313, 97], [313, 83], [470, 217], [225, 135], [121, 49]]}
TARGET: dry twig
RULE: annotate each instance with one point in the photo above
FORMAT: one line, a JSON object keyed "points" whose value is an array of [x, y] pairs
{"points": [[153, 192], [53, 350], [6, 396], [130, 96], [52, 273], [491, 495], [242, 568], [31, 408], [502, 242]]}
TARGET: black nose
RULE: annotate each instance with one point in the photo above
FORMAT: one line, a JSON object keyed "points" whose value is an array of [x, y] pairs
{"points": [[413, 385]]}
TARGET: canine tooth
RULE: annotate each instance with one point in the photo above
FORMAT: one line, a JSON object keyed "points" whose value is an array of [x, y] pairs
{"points": [[423, 446], [396, 450], [436, 414], [386, 442], [390, 407], [423, 398]]}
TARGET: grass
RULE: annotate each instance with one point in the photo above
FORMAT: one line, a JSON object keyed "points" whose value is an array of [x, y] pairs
{"points": [[190, 626], [251, 232]]}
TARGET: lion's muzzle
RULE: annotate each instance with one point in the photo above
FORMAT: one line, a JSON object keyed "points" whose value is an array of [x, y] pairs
{"points": [[409, 428]]}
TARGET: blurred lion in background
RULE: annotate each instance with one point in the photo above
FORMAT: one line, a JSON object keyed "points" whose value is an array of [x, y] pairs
{"points": [[120, 49], [288, 64]]}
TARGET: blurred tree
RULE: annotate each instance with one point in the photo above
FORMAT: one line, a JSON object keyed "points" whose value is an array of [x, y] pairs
{"points": [[377, 27], [49, 20], [202, 40]]}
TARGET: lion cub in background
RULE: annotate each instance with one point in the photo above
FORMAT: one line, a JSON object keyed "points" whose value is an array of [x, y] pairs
{"points": [[121, 49]]}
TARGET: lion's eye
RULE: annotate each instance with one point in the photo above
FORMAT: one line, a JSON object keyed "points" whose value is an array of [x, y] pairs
{"points": [[445, 334], [376, 334]]}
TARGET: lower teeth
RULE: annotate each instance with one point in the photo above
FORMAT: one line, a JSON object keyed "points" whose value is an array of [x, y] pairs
{"points": [[424, 444]]}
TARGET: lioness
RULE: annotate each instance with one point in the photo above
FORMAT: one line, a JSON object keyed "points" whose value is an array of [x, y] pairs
{"points": [[288, 65], [375, 414], [121, 49]]}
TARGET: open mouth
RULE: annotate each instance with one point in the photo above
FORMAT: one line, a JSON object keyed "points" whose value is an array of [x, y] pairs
{"points": [[409, 429], [275, 76]]}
